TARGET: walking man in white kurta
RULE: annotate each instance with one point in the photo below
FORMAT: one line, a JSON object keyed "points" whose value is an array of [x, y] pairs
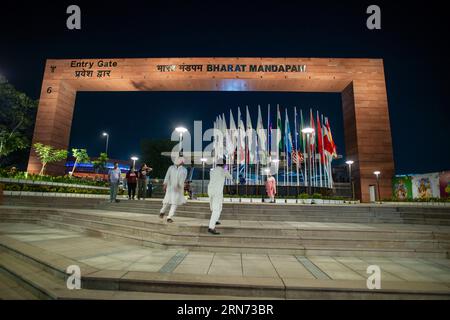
{"points": [[174, 187], [215, 193]]}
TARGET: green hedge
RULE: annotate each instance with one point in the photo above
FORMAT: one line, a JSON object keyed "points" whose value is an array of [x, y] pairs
{"points": [[62, 179], [41, 188], [300, 196], [394, 199]]}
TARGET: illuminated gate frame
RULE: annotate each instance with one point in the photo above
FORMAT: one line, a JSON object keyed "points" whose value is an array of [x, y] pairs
{"points": [[361, 83]]}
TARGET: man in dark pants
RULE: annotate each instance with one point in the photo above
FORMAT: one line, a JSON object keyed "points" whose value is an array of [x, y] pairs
{"points": [[143, 173], [131, 183]]}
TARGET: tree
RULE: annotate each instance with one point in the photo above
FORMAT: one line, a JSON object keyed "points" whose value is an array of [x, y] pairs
{"points": [[100, 162], [80, 155], [17, 114], [47, 154], [151, 154]]}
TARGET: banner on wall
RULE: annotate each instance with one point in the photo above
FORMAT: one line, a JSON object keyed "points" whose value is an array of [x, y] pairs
{"points": [[402, 188], [425, 186], [444, 184]]}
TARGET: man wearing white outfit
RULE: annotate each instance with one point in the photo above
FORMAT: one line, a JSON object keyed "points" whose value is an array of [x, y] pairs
{"points": [[215, 193], [174, 188]]}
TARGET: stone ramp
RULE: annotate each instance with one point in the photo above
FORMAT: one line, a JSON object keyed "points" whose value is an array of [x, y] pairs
{"points": [[42, 272]]}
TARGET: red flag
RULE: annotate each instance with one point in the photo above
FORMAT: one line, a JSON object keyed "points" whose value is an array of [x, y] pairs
{"points": [[328, 142], [319, 139]]}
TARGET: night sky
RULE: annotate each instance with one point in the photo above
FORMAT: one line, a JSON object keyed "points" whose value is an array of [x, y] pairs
{"points": [[413, 43]]}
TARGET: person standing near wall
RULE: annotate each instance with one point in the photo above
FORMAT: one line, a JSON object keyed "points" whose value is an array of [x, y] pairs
{"points": [[114, 176]]}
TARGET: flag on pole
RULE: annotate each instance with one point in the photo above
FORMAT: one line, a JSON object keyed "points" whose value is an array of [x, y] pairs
{"points": [[269, 127], [320, 139], [226, 139], [304, 148], [219, 153], [250, 142], [279, 131], [312, 149], [287, 136], [312, 142], [328, 142], [262, 139], [241, 138]]}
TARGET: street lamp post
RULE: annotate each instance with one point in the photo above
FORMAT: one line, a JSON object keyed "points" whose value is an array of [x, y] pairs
{"points": [[181, 130], [350, 162], [308, 131], [377, 174], [134, 161], [107, 141], [203, 160]]}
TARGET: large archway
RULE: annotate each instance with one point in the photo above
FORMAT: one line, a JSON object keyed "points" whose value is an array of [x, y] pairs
{"points": [[361, 83]]}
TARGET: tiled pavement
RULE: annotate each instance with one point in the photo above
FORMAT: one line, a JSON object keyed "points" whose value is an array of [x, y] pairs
{"points": [[114, 255]]}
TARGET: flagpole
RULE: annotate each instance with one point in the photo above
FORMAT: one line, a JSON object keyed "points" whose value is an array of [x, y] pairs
{"points": [[323, 151], [305, 176], [308, 138], [238, 149], [320, 151], [296, 146], [268, 135]]}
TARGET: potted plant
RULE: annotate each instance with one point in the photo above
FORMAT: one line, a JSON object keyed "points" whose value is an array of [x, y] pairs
{"points": [[304, 198], [317, 198]]}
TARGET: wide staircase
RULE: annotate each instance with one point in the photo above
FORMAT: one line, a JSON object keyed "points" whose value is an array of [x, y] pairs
{"points": [[251, 228]]}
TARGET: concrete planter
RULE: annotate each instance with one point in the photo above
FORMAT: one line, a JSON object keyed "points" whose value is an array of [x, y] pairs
{"points": [[257, 200], [317, 201], [235, 199], [280, 200], [207, 199], [246, 200], [291, 201], [51, 194]]}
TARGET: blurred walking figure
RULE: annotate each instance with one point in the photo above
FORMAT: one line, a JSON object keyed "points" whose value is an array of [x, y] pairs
{"points": [[114, 180], [174, 188], [131, 178], [271, 188], [215, 193], [143, 173]]}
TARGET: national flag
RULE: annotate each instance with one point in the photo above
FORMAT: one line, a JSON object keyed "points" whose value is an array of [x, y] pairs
{"points": [[328, 143], [241, 138], [262, 139], [297, 157], [231, 139], [302, 126], [287, 136], [296, 135], [250, 142], [319, 139], [312, 139], [219, 137], [279, 131]]}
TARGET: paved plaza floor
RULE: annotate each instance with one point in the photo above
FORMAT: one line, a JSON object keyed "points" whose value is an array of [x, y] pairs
{"points": [[121, 257]]}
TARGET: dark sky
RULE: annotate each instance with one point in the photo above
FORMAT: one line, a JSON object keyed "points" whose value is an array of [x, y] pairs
{"points": [[413, 43]]}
